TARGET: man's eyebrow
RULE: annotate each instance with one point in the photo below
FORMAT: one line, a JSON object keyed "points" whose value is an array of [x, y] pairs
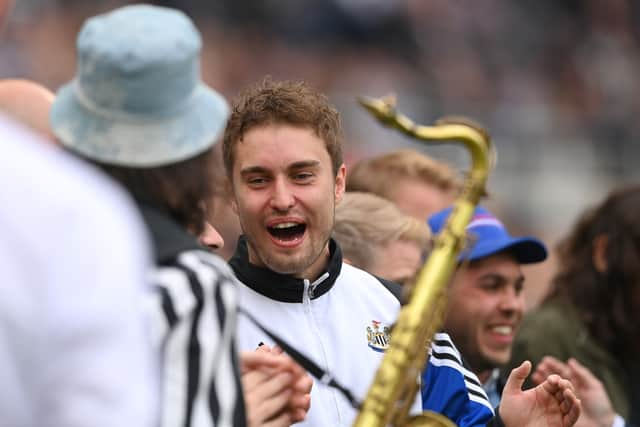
{"points": [[500, 277], [253, 169], [303, 164]]}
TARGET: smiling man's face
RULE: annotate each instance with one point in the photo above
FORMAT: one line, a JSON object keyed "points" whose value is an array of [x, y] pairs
{"points": [[285, 193], [486, 305]]}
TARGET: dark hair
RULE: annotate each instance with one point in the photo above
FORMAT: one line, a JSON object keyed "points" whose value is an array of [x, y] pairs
{"points": [[287, 102], [180, 189], [606, 300]]}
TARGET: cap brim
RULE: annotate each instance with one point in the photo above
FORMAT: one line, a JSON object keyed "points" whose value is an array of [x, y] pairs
{"points": [[527, 250], [136, 141]]}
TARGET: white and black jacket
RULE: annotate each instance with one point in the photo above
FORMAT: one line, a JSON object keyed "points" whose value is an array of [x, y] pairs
{"points": [[341, 321]]}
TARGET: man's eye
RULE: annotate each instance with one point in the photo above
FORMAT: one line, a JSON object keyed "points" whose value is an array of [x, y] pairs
{"points": [[490, 286], [303, 176], [256, 181]]}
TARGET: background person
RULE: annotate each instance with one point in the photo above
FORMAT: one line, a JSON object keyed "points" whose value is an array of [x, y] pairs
{"points": [[418, 184], [592, 313], [597, 408], [74, 343], [27, 102], [376, 237], [485, 295]]}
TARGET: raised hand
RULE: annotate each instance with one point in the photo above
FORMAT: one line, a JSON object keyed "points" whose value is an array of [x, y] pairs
{"points": [[597, 410], [552, 403]]}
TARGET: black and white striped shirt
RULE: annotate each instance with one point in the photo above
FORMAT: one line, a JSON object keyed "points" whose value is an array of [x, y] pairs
{"points": [[194, 312], [195, 331]]}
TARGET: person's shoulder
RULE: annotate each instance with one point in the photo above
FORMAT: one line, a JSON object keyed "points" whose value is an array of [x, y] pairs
{"points": [[65, 186], [51, 197], [363, 282], [200, 264]]}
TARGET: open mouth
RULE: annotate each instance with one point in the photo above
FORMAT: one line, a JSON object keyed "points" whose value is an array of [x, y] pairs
{"points": [[287, 231]]}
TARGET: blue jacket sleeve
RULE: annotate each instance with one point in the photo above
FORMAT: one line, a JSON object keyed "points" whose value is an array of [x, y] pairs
{"points": [[452, 390]]}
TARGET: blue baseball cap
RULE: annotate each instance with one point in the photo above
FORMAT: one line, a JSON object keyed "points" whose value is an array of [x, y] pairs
{"points": [[488, 236]]}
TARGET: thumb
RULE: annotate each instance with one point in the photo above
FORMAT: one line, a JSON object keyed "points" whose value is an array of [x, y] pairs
{"points": [[517, 377]]}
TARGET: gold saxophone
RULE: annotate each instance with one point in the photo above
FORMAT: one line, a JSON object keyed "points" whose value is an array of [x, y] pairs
{"points": [[396, 382]]}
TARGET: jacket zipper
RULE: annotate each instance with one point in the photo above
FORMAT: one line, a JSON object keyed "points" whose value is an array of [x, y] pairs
{"points": [[309, 289]]}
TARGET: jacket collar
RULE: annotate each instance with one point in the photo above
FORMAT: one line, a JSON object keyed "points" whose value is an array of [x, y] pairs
{"points": [[168, 237], [282, 287]]}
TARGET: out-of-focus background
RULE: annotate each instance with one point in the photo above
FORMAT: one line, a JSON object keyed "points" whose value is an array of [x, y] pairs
{"points": [[555, 81]]}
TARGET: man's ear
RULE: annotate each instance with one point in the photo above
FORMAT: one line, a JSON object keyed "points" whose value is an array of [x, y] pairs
{"points": [[599, 253], [341, 182]]}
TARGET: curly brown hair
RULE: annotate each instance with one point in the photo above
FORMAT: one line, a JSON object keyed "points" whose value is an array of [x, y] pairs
{"points": [[285, 102], [607, 300]]}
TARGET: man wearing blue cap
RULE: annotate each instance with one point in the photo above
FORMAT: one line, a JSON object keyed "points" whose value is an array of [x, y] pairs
{"points": [[486, 302]]}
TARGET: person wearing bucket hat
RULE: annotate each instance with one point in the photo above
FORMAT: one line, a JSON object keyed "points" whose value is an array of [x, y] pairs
{"points": [[486, 303], [138, 109]]}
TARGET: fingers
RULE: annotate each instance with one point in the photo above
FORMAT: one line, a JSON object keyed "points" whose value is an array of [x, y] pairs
{"points": [[563, 392], [547, 366], [517, 377], [274, 384], [266, 396], [282, 420], [299, 405], [581, 375], [250, 360], [304, 384], [571, 408]]}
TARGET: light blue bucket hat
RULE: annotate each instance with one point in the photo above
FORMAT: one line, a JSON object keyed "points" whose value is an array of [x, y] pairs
{"points": [[137, 99]]}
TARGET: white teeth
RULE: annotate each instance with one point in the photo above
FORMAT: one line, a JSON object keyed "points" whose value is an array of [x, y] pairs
{"points": [[502, 330], [285, 225]]}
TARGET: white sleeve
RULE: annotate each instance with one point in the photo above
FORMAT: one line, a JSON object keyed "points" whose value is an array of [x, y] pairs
{"points": [[74, 349], [104, 371]]}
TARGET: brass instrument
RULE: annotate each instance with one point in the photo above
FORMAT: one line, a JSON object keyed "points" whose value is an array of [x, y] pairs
{"points": [[393, 390]]}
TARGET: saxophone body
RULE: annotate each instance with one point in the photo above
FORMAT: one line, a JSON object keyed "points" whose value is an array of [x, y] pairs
{"points": [[396, 382]]}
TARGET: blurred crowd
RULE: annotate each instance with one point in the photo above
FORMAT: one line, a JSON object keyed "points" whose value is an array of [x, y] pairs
{"points": [[300, 233], [554, 81]]}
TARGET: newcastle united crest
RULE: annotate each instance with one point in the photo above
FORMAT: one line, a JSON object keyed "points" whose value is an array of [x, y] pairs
{"points": [[378, 336]]}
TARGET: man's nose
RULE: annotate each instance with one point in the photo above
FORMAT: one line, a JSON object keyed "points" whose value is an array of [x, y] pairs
{"points": [[211, 238], [282, 198], [512, 300]]}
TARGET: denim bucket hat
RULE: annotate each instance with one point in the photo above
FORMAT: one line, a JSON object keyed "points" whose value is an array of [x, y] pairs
{"points": [[137, 99], [488, 236]]}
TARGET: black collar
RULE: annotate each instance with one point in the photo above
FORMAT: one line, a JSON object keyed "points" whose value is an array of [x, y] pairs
{"points": [[168, 237], [282, 287]]}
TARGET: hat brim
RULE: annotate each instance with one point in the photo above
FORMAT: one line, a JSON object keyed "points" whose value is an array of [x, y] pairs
{"points": [[527, 250], [137, 141]]}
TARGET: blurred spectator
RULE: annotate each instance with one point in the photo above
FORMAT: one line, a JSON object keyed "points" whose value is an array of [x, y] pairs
{"points": [[485, 296], [592, 314], [74, 344], [27, 102], [419, 185], [555, 81], [376, 237]]}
